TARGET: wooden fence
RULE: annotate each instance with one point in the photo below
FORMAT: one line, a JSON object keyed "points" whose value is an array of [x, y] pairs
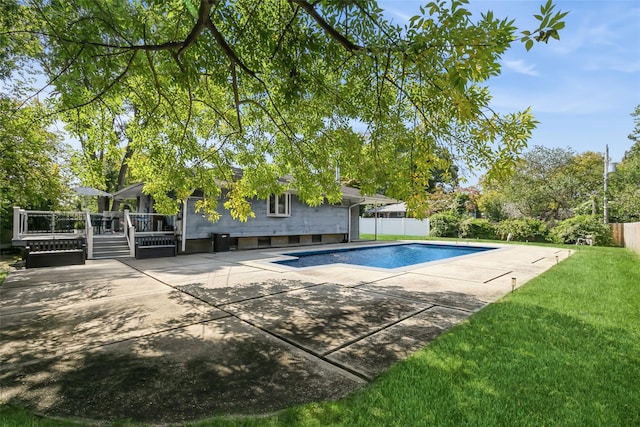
{"points": [[627, 235]]}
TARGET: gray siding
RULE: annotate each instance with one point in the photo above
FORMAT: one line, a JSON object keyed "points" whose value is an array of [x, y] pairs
{"points": [[355, 223], [323, 219]]}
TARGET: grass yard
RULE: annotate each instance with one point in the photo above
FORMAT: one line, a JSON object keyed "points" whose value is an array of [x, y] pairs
{"points": [[563, 350], [5, 265]]}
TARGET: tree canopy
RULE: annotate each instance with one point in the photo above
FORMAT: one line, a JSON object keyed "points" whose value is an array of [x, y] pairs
{"points": [[277, 88], [548, 184], [30, 176], [625, 182]]}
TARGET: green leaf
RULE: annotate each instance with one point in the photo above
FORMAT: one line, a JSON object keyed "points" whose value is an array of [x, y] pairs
{"points": [[529, 44], [193, 10]]}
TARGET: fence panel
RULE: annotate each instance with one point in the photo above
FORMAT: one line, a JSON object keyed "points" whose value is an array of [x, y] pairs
{"points": [[395, 226], [632, 236], [617, 230]]}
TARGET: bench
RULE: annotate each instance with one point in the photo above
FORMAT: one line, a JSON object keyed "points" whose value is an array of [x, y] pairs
{"points": [[586, 240], [156, 246], [55, 252]]}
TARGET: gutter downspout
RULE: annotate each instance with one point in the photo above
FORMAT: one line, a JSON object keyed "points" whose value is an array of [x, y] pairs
{"points": [[375, 222], [184, 226]]}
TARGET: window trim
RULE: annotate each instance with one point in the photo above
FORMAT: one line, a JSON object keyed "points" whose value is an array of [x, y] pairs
{"points": [[276, 199]]}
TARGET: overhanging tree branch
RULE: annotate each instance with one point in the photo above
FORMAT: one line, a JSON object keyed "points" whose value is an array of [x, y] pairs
{"points": [[106, 88], [222, 42], [203, 16], [335, 34]]}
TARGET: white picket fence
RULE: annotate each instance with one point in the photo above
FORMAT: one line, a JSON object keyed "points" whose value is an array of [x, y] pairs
{"points": [[396, 226]]}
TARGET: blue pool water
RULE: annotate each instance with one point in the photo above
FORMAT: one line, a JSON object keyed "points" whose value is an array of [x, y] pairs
{"points": [[392, 256]]}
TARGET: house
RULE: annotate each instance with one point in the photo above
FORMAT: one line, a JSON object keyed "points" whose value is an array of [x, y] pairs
{"points": [[281, 220]]}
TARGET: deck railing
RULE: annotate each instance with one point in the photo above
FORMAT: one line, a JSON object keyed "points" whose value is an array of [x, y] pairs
{"points": [[152, 222], [50, 224], [34, 223]]}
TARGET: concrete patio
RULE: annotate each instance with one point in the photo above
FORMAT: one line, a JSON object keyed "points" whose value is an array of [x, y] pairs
{"points": [[176, 339]]}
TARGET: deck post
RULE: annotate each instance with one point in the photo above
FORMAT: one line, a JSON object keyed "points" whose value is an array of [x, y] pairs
{"points": [[130, 232], [88, 227], [183, 241], [16, 222]]}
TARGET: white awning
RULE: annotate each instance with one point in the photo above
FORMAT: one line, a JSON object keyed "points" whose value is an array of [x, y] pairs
{"points": [[130, 192], [90, 191], [353, 194], [392, 208]]}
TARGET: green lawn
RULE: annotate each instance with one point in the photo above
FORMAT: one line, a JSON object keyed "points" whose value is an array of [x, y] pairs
{"points": [[5, 265], [563, 350]]}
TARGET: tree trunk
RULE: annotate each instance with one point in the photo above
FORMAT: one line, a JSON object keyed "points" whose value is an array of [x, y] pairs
{"points": [[124, 166], [103, 203]]}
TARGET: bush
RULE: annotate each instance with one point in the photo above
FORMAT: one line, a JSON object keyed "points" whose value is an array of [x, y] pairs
{"points": [[570, 230], [473, 228], [444, 225], [523, 229]]}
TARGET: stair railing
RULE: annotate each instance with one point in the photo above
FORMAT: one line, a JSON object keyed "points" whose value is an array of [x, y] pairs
{"points": [[130, 232], [88, 230]]}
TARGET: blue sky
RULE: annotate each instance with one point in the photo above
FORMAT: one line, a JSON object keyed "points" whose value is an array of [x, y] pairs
{"points": [[583, 88]]}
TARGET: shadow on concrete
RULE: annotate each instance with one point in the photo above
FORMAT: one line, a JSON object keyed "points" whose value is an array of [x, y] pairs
{"points": [[49, 333], [452, 299], [374, 354], [322, 318], [222, 294], [214, 368]]}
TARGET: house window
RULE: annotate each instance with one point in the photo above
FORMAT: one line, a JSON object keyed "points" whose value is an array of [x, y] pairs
{"points": [[279, 205]]}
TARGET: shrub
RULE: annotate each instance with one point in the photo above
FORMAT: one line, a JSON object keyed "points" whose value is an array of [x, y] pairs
{"points": [[523, 229], [473, 228], [444, 225], [570, 230]]}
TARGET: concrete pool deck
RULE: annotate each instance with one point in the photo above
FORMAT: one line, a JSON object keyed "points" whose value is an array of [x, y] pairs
{"points": [[168, 340]]}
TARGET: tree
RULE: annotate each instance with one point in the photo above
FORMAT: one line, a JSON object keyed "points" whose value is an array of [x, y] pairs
{"points": [[625, 183], [493, 204], [276, 86], [549, 183], [585, 169], [634, 136], [102, 160], [30, 176]]}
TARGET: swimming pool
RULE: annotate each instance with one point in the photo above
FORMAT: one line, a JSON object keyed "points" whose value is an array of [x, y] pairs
{"points": [[390, 256]]}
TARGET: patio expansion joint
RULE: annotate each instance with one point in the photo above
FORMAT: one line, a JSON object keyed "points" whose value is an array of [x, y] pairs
{"points": [[377, 330], [222, 305], [402, 273], [106, 344], [305, 350], [266, 331], [433, 304], [498, 276]]}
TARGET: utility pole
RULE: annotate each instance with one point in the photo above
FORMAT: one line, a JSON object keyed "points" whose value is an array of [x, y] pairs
{"points": [[606, 182]]}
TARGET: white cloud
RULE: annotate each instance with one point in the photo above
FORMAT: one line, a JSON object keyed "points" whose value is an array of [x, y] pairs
{"points": [[521, 67], [400, 16], [603, 29]]}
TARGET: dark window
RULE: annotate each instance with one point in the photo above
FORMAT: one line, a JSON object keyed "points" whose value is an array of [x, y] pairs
{"points": [[279, 205]]}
